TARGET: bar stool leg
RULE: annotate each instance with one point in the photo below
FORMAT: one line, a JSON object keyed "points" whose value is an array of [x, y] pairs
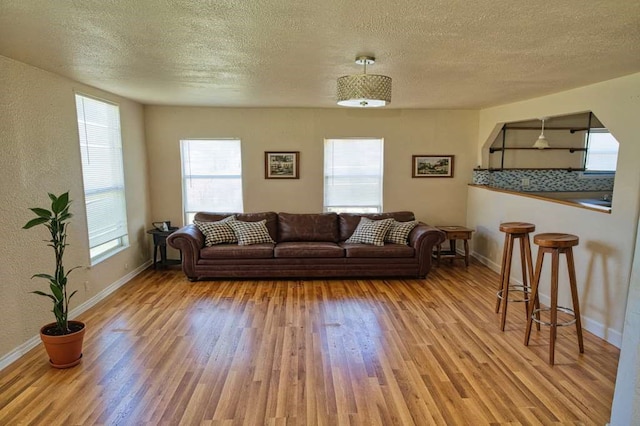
{"points": [[574, 297], [505, 282], [502, 267], [532, 297], [553, 327], [534, 291], [525, 270]]}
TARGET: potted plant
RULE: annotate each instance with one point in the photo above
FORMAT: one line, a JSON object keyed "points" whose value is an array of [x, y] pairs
{"points": [[63, 338]]}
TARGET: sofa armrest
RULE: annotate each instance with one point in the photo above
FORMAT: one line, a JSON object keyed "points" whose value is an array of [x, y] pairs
{"points": [[189, 240], [423, 238]]}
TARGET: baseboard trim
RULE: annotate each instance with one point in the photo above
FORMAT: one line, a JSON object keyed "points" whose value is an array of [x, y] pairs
{"points": [[34, 341], [108, 290], [594, 327], [15, 354]]}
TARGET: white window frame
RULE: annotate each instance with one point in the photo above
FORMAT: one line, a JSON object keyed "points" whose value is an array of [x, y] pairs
{"points": [[187, 176], [589, 145], [330, 173], [104, 241]]}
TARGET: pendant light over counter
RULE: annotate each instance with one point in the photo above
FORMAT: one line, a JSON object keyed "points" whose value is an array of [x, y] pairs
{"points": [[364, 90], [542, 142]]}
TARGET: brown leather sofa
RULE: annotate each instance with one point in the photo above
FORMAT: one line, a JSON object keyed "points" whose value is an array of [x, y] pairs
{"points": [[307, 245]]}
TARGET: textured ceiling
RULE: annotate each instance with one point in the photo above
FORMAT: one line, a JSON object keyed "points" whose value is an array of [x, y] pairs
{"points": [[287, 53]]}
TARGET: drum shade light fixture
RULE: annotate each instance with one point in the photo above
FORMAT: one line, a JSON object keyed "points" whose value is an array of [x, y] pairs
{"points": [[542, 142], [364, 90]]}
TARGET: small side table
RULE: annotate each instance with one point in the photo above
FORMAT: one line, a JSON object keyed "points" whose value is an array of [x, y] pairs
{"points": [[160, 242], [454, 233]]}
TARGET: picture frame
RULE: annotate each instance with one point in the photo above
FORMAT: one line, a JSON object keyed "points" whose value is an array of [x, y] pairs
{"points": [[429, 166], [282, 164]]}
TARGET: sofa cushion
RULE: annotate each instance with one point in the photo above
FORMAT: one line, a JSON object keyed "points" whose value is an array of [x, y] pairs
{"points": [[270, 217], [386, 251], [308, 249], [371, 231], [234, 251], [308, 227], [249, 233], [217, 232], [348, 222], [399, 232]]}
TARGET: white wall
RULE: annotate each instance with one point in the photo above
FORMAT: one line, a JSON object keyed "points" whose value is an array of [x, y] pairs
{"points": [[39, 134], [607, 244], [601, 265], [626, 400], [605, 253], [405, 133]]}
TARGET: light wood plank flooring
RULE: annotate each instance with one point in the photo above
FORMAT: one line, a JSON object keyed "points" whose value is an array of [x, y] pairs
{"points": [[162, 350]]}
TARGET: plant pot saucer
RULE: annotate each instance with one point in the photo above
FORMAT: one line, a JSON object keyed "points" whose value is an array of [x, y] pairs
{"points": [[69, 365]]}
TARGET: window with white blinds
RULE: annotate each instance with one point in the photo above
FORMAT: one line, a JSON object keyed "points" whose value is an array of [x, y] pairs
{"points": [[602, 154], [103, 176], [353, 175], [211, 176]]}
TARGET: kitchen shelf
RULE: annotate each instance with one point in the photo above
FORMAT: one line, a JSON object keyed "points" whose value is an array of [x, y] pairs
{"points": [[570, 129], [575, 141], [498, 169], [492, 149]]}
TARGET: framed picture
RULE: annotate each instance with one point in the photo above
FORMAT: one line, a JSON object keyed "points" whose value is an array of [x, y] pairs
{"points": [[281, 164], [432, 166]]}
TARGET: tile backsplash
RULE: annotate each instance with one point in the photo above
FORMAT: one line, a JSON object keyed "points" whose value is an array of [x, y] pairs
{"points": [[543, 180]]}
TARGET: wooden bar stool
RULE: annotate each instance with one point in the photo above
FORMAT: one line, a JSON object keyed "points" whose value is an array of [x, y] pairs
{"points": [[555, 244], [515, 231]]}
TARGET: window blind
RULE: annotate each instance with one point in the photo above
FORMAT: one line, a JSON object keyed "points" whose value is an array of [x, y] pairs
{"points": [[102, 169], [353, 175], [603, 151], [211, 176]]}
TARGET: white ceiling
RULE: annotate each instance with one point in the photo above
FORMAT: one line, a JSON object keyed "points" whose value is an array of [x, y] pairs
{"points": [[287, 53]]}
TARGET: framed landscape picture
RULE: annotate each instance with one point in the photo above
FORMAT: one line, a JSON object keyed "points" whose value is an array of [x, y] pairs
{"points": [[281, 164], [432, 166]]}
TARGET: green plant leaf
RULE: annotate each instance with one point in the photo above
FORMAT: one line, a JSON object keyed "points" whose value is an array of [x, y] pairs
{"points": [[41, 212], [71, 270], [71, 295], [35, 222], [40, 293], [60, 203], [45, 276], [57, 292], [57, 311], [53, 197]]}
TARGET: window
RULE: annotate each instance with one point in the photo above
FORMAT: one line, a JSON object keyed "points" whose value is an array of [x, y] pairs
{"points": [[353, 175], [103, 176], [211, 176], [602, 154]]}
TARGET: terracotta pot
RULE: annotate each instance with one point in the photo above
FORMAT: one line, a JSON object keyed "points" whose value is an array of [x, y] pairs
{"points": [[64, 351]]}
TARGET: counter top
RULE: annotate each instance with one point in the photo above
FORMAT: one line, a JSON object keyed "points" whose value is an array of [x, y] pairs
{"points": [[573, 199]]}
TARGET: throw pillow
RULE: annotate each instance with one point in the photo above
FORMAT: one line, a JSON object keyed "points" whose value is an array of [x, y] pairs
{"points": [[399, 232], [370, 231], [217, 232], [249, 233]]}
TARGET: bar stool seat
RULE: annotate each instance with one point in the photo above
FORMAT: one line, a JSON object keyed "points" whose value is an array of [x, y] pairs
{"points": [[555, 244], [515, 231]]}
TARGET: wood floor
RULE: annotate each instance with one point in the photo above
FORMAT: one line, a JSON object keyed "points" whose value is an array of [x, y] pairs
{"points": [[162, 350]]}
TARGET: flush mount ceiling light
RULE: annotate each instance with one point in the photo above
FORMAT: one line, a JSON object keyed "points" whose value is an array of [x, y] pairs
{"points": [[364, 90], [542, 142]]}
